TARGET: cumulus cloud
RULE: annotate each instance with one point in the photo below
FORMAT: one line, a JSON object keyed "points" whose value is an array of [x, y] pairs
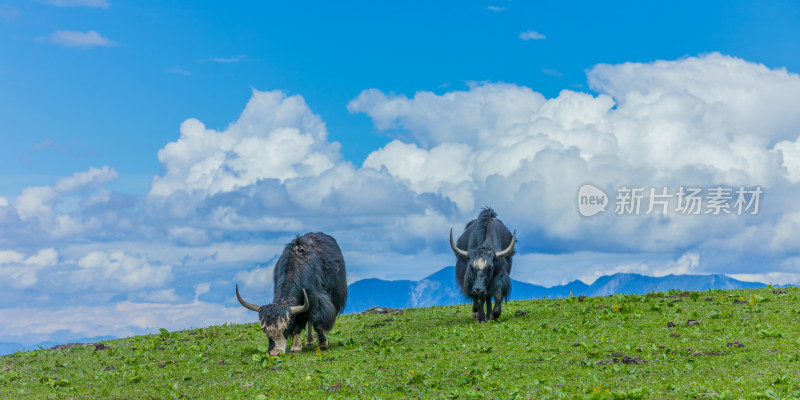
{"points": [[79, 39], [708, 120], [276, 137]]}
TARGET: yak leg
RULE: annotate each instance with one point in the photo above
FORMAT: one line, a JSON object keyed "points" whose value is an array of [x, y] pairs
{"points": [[297, 346], [489, 308], [498, 299], [309, 334], [475, 309], [479, 305], [323, 341]]}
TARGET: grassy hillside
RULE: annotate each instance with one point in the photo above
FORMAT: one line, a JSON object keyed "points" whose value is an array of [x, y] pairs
{"points": [[738, 344]]}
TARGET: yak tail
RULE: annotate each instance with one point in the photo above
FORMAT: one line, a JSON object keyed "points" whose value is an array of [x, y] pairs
{"points": [[484, 219]]}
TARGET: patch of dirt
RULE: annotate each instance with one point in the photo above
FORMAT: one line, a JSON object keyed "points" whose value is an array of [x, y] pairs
{"points": [[581, 298], [246, 385], [735, 344], [109, 368], [709, 394], [383, 310], [68, 346], [692, 322], [520, 313], [162, 364], [600, 306], [670, 325], [221, 362], [737, 301], [709, 299], [780, 291], [675, 334], [621, 357]]}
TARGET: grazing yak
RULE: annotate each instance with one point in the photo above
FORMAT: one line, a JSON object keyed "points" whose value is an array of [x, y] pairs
{"points": [[483, 264], [310, 288]]}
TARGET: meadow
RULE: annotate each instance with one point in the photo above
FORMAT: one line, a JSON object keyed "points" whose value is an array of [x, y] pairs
{"points": [[712, 344]]}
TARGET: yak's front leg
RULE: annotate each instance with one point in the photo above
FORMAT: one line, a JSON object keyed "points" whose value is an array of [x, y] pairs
{"points": [[309, 334], [488, 308], [498, 299], [297, 345], [478, 305]]}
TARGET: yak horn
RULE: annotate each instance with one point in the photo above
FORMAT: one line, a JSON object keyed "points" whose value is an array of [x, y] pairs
{"points": [[459, 252], [507, 252], [249, 306], [298, 309]]}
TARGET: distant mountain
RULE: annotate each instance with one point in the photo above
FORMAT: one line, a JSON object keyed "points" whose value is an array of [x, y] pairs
{"points": [[441, 289], [8, 348]]}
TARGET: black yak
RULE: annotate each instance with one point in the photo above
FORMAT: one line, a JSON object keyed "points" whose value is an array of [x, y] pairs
{"points": [[483, 263], [310, 288]]}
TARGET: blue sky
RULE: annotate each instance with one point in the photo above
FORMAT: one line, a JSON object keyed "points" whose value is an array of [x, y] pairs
{"points": [[154, 153]]}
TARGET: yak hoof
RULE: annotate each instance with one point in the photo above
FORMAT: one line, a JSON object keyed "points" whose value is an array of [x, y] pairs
{"points": [[323, 345], [297, 350], [475, 315]]}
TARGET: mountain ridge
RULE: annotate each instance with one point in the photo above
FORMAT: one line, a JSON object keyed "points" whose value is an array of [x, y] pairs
{"points": [[440, 289]]}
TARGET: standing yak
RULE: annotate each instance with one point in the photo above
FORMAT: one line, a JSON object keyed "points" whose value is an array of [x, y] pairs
{"points": [[310, 288], [483, 265]]}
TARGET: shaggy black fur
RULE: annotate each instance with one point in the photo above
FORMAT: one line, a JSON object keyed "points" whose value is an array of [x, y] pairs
{"points": [[482, 238], [315, 263]]}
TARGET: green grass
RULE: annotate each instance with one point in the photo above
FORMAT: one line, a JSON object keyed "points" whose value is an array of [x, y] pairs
{"points": [[563, 348]]}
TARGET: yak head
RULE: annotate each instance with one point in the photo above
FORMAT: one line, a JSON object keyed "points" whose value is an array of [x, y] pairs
{"points": [[275, 320], [481, 265]]}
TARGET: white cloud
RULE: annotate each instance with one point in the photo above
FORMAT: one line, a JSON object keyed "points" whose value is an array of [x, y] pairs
{"points": [[88, 180], [256, 278], [531, 35], [84, 40], [119, 269], [22, 272], [276, 137], [495, 8], [79, 3], [684, 122]]}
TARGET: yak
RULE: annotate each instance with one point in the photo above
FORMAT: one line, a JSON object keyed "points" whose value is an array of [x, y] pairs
{"points": [[310, 288], [483, 263]]}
